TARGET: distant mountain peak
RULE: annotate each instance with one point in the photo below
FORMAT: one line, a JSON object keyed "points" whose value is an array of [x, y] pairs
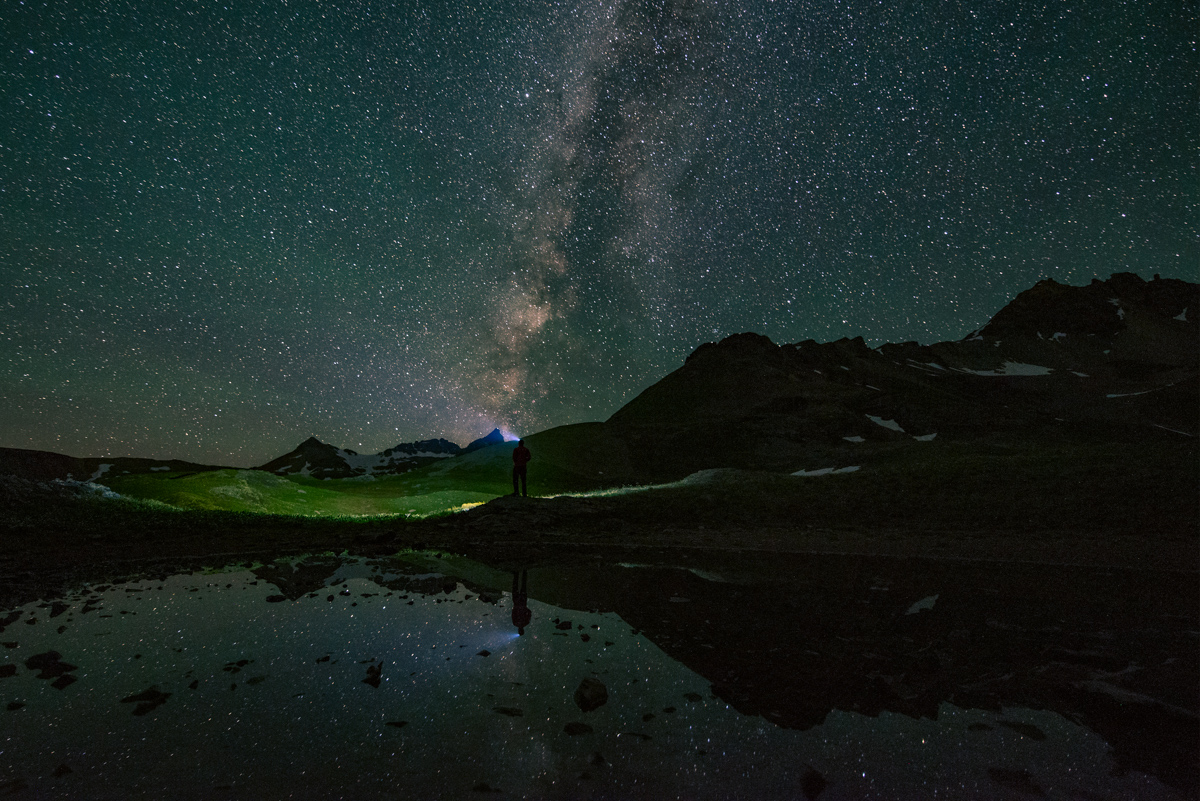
{"points": [[494, 438], [1099, 309], [425, 447], [1056, 355], [745, 343], [321, 460]]}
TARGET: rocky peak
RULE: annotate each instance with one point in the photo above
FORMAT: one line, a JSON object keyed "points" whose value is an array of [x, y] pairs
{"points": [[736, 345], [438, 445], [1099, 309], [494, 438]]}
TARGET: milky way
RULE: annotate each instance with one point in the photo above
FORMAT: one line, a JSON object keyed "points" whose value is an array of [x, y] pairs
{"points": [[223, 229]]}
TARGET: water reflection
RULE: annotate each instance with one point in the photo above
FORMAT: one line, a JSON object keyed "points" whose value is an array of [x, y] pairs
{"points": [[521, 615], [404, 677]]}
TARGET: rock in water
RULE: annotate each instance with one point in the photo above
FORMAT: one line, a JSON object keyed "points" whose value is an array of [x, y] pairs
{"points": [[591, 694], [373, 672], [50, 664], [812, 784], [1019, 780], [511, 711], [147, 700]]}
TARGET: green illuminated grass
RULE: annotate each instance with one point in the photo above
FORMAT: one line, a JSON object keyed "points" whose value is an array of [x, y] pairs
{"points": [[566, 459], [1023, 484], [265, 493]]}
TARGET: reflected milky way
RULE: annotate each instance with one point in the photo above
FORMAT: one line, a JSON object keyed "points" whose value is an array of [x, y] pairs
{"points": [[404, 677]]}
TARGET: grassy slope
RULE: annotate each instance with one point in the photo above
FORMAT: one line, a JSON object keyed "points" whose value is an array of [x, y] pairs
{"points": [[264, 493], [560, 456], [1062, 483], [1101, 502]]}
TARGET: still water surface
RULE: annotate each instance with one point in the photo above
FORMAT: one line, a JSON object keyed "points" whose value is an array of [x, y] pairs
{"points": [[405, 677]]}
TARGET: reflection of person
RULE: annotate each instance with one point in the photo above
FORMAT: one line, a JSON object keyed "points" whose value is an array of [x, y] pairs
{"points": [[521, 614], [521, 457]]}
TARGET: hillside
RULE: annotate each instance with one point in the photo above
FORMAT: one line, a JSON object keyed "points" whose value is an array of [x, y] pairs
{"points": [[1117, 359], [1058, 370]]}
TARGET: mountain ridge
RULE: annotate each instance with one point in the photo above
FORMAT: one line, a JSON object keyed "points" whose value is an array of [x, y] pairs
{"points": [[321, 460], [1113, 357]]}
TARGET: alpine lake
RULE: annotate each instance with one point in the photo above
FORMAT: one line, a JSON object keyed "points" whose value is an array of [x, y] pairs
{"points": [[677, 675]]}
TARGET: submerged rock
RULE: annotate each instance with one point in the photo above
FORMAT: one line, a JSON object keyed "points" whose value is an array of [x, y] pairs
{"points": [[812, 783], [373, 675], [591, 694], [50, 664], [147, 700], [484, 787], [1019, 780]]}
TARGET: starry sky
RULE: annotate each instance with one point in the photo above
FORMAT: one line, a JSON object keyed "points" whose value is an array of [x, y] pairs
{"points": [[225, 227]]}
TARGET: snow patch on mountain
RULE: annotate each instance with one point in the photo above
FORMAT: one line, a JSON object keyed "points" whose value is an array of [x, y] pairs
{"points": [[366, 462], [890, 424], [714, 475], [1174, 430], [922, 605], [84, 488], [828, 471], [1010, 369]]}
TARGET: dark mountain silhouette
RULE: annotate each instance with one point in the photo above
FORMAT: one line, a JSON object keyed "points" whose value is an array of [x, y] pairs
{"points": [[424, 447], [46, 466], [1117, 358], [315, 458], [312, 458], [494, 438]]}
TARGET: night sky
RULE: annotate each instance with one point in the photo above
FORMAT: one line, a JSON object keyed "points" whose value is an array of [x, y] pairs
{"points": [[227, 227]]}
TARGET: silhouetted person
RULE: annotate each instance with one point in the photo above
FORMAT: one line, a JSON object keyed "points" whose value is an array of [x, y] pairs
{"points": [[521, 614], [521, 457]]}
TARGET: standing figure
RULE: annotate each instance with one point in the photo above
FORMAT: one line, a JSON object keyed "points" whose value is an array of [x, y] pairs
{"points": [[521, 457]]}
